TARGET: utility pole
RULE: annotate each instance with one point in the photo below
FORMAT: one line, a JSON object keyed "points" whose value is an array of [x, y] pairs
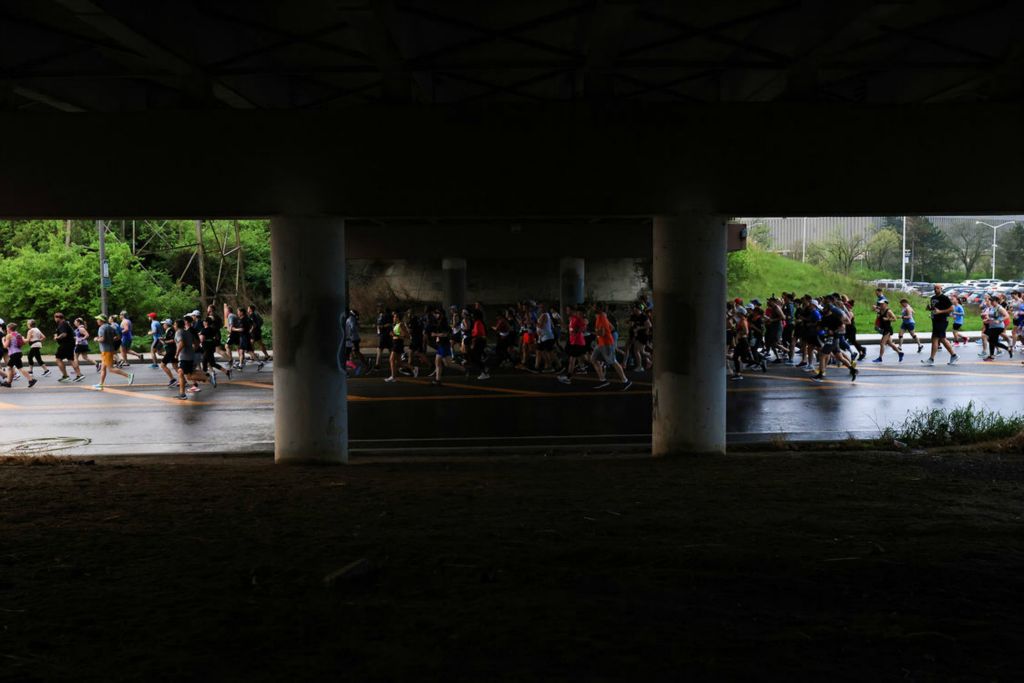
{"points": [[803, 255], [201, 253], [995, 228], [67, 233], [104, 268]]}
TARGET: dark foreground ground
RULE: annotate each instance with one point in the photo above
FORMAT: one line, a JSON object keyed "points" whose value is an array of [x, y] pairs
{"points": [[776, 566]]}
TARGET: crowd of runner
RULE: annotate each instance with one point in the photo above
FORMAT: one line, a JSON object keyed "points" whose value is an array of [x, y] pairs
{"points": [[817, 333], [530, 336], [185, 349]]}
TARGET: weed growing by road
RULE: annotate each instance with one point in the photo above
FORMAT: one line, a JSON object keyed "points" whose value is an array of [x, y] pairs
{"points": [[961, 425]]}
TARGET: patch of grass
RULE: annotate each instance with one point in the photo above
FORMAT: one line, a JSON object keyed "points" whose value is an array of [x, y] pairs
{"points": [[963, 425], [758, 274]]}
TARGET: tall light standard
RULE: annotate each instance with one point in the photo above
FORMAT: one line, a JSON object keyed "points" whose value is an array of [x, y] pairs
{"points": [[994, 229], [803, 254], [903, 258]]}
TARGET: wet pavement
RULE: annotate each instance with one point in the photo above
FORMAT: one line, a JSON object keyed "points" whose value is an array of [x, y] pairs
{"points": [[511, 411]]}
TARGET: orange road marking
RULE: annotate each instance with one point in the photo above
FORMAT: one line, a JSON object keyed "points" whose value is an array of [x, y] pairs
{"points": [[148, 397], [10, 406], [246, 383]]}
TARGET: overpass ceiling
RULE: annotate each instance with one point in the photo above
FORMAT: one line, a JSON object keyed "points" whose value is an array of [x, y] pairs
{"points": [[126, 55]]}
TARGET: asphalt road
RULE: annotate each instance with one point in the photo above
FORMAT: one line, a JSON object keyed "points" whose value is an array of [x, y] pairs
{"points": [[510, 411]]}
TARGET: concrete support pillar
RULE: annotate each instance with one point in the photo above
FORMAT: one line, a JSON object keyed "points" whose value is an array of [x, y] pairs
{"points": [[689, 334], [308, 288], [454, 281], [571, 283]]}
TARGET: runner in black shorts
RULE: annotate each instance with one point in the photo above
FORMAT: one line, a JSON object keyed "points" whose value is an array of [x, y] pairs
{"points": [[886, 316], [383, 334], [170, 359]]}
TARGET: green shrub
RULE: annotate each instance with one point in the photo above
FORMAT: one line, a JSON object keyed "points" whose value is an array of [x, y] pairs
{"points": [[961, 425]]}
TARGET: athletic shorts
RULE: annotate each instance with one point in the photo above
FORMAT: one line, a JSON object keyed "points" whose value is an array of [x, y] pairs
{"points": [[14, 360], [257, 335], [233, 339], [108, 358], [546, 345], [65, 353], [907, 327], [384, 342], [576, 350], [187, 366], [641, 336], [397, 346], [885, 328], [604, 354], [82, 349], [830, 346], [416, 345], [958, 326], [126, 341], [444, 351], [245, 343], [939, 328], [155, 342], [169, 356]]}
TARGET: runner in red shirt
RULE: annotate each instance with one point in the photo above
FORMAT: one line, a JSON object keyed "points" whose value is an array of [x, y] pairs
{"points": [[604, 355], [577, 346]]}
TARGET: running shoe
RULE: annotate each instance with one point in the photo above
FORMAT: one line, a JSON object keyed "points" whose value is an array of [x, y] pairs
{"points": [[78, 378], [901, 356], [877, 360], [988, 359], [735, 378], [228, 373], [172, 384], [602, 385], [213, 379], [153, 366], [97, 387], [193, 390], [564, 380], [131, 378], [46, 372], [32, 382], [818, 377], [63, 379], [435, 383], [259, 366], [853, 374], [183, 397], [953, 360], [863, 354], [629, 383], [919, 347], [416, 371], [483, 375], [5, 384], [389, 379], [928, 361]]}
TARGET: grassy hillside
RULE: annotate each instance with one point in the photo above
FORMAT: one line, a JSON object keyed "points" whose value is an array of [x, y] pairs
{"points": [[759, 274]]}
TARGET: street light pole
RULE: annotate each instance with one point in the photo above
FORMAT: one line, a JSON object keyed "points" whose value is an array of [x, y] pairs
{"points": [[903, 255], [994, 229], [104, 267]]}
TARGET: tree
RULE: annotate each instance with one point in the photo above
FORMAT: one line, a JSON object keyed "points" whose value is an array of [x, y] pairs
{"points": [[882, 251], [1010, 256], [929, 249], [968, 241], [839, 252]]}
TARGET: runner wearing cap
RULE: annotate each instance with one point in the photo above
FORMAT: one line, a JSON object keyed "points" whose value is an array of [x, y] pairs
{"points": [[65, 338], [907, 324], [107, 335], [170, 349], [156, 339]]}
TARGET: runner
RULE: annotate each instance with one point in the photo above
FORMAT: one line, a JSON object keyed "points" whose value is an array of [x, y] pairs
{"points": [[218, 332], [417, 343], [35, 338], [14, 342], [577, 345], [851, 329], [833, 334], [439, 331], [185, 343], [208, 338], [603, 356], [958, 321], [399, 333], [545, 341], [940, 307], [257, 337], [170, 357], [107, 335], [156, 339], [907, 324], [741, 340], [994, 316], [478, 344], [126, 331], [65, 338], [353, 355], [82, 341], [886, 317], [383, 327], [234, 331]]}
